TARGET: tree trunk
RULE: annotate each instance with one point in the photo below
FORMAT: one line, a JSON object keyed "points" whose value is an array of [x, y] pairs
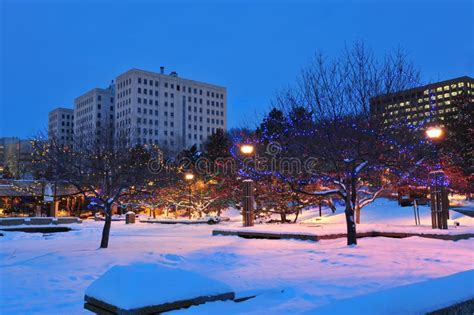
{"points": [[296, 217], [104, 243], [357, 214], [320, 214], [351, 227], [283, 217]]}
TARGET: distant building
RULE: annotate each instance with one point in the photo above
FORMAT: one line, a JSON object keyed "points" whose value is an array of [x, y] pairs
{"points": [[6, 144], [15, 157], [145, 108], [61, 125], [162, 109], [93, 115], [420, 105]]}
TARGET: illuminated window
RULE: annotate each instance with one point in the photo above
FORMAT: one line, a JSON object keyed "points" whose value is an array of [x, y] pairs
{"points": [[441, 111], [461, 84], [446, 88], [440, 96], [439, 89], [454, 93], [407, 110], [446, 95], [420, 100], [426, 92], [427, 106]]}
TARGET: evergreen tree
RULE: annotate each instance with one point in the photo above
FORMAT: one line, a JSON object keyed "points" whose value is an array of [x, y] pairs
{"points": [[217, 145]]}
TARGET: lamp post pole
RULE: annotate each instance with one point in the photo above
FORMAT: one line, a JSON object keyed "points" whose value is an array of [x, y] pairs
{"points": [[438, 193], [247, 188], [189, 177]]}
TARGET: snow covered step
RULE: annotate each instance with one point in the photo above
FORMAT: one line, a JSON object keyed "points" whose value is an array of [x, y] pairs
{"points": [[38, 221], [298, 232], [150, 288], [454, 292], [205, 220]]}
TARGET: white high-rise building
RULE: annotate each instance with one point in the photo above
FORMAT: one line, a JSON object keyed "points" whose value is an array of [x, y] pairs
{"points": [[173, 112], [94, 115], [61, 125]]}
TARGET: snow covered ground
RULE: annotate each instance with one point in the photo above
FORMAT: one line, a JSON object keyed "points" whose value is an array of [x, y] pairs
{"points": [[49, 274], [382, 215]]}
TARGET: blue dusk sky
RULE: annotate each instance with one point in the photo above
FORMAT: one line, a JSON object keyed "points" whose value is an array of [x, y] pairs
{"points": [[53, 51]]}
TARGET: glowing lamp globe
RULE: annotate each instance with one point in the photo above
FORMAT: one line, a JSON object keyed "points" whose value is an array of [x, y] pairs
{"points": [[189, 176], [247, 149], [434, 133]]}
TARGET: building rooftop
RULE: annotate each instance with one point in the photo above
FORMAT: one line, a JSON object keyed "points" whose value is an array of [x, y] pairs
{"points": [[172, 74], [426, 86]]}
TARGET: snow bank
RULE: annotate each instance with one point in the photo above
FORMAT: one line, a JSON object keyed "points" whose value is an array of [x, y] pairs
{"points": [[141, 284], [418, 298], [182, 221], [383, 211]]}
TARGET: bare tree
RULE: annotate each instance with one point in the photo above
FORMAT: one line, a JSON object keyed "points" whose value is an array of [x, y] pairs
{"points": [[99, 167], [355, 155]]}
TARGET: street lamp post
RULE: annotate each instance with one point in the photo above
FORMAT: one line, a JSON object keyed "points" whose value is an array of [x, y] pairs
{"points": [[434, 133], [189, 177], [438, 193], [247, 188]]}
